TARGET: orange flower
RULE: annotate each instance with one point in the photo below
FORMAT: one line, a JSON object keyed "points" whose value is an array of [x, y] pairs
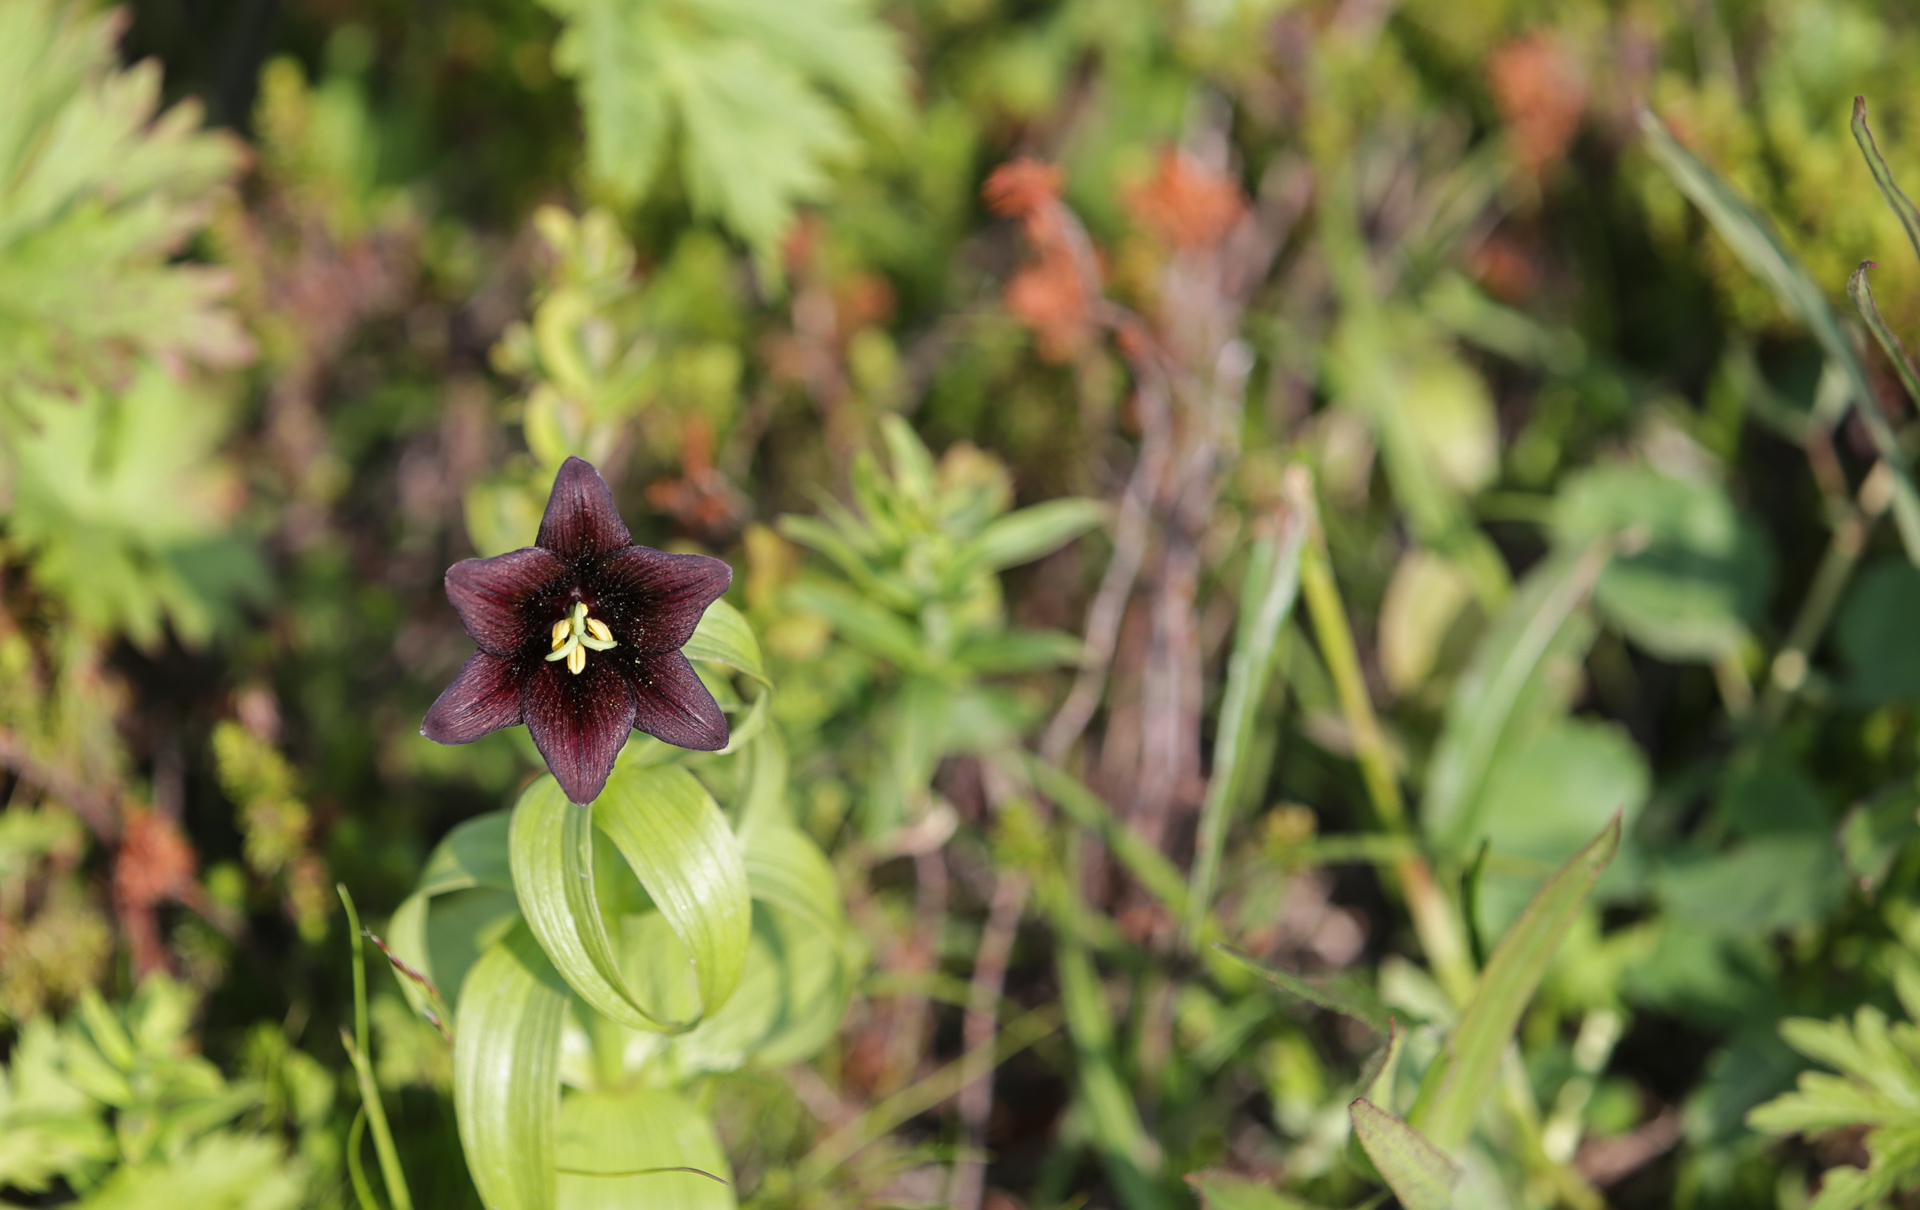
{"points": [[1186, 203], [1020, 188], [1540, 95]]}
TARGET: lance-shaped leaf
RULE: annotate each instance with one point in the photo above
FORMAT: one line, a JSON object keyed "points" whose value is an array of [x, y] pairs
{"points": [[1462, 1077], [1507, 689], [1753, 240], [628, 1149], [506, 1073], [678, 844], [724, 637], [1266, 601], [1419, 1173]]}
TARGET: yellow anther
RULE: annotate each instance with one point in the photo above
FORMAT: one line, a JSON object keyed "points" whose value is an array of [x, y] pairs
{"points": [[574, 634]]}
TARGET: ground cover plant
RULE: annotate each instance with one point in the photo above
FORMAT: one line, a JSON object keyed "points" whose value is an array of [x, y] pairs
{"points": [[1000, 604]]}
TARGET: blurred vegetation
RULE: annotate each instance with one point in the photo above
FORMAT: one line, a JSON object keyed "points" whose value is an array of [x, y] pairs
{"points": [[1230, 501]]}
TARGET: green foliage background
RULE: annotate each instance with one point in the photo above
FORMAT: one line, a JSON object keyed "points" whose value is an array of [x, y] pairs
{"points": [[1230, 501]]}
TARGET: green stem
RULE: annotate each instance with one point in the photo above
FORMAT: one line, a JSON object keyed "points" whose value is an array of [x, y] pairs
{"points": [[357, 1053], [1435, 919]]}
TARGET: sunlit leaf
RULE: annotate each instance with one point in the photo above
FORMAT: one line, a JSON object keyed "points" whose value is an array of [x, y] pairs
{"points": [[1460, 1080], [1419, 1173], [681, 849], [724, 637], [506, 1073], [1026, 535], [641, 1131], [752, 94]]}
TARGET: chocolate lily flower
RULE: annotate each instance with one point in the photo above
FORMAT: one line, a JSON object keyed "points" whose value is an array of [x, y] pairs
{"points": [[580, 637]]}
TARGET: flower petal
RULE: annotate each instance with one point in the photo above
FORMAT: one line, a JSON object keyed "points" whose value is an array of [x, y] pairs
{"points": [[493, 596], [484, 697], [673, 705], [581, 521], [579, 722], [652, 600]]}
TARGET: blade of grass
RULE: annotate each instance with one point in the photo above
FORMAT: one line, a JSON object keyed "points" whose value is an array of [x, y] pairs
{"points": [[358, 1053], [1128, 1153], [1273, 583], [1462, 1078], [1148, 865], [1434, 916], [1332, 997], [356, 1168], [1752, 238], [1883, 176], [1862, 295]]}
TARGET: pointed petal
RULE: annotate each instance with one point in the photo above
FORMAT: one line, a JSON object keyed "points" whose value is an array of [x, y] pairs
{"points": [[673, 705], [579, 723], [652, 600], [499, 598], [484, 697], [581, 521]]}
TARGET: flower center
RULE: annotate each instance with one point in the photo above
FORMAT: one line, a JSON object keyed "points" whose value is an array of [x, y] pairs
{"points": [[574, 634]]}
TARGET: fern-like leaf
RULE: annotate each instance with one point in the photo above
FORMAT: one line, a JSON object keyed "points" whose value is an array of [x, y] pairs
{"points": [[97, 194], [1878, 1088], [756, 93]]}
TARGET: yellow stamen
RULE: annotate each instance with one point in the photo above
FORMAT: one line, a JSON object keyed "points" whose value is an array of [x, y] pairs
{"points": [[575, 634]]}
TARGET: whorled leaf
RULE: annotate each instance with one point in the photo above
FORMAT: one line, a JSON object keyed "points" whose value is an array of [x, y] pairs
{"points": [[506, 1073], [685, 855]]}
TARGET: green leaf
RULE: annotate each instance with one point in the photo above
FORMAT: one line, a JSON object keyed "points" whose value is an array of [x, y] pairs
{"points": [[506, 1073], [1767, 883], [863, 624], [679, 846], [1266, 602], [725, 637], [1419, 1174], [1225, 1191], [123, 505], [98, 191], [1030, 533], [1690, 573], [1510, 688], [1879, 644], [1344, 998], [1548, 795], [1461, 1079], [474, 854], [1753, 240], [1020, 651], [1875, 833], [751, 91], [641, 1131], [1088, 810]]}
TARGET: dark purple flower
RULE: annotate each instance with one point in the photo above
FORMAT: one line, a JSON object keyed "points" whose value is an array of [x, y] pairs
{"points": [[580, 637]]}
